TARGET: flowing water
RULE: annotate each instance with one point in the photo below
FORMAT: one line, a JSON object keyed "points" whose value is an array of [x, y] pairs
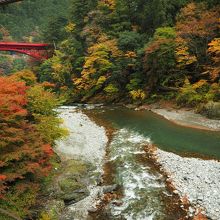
{"points": [[144, 195], [143, 189]]}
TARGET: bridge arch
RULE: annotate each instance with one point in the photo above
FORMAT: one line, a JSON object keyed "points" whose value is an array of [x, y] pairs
{"points": [[38, 51]]}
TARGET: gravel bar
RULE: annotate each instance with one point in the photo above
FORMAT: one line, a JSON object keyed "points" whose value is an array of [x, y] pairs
{"points": [[196, 179], [188, 118]]}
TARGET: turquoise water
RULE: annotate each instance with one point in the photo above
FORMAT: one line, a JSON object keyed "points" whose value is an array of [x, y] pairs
{"points": [[165, 134], [144, 193]]}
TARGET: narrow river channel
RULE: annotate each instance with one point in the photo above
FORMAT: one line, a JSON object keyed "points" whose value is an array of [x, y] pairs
{"points": [[143, 192], [145, 196]]}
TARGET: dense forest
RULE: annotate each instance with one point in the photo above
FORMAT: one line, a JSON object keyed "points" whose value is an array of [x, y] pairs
{"points": [[124, 51], [107, 51]]}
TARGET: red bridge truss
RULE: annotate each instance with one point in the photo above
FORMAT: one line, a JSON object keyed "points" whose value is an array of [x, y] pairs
{"points": [[36, 50]]}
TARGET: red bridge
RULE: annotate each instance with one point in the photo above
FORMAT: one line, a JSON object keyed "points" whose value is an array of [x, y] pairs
{"points": [[35, 50]]}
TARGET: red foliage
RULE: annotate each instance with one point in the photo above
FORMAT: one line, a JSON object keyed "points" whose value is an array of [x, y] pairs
{"points": [[2, 177], [48, 149], [24, 155]]}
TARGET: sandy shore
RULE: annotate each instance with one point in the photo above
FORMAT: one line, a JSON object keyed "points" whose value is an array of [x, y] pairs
{"points": [[188, 118], [195, 179]]}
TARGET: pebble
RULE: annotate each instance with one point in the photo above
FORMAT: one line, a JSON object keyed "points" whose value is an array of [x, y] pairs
{"points": [[198, 179]]}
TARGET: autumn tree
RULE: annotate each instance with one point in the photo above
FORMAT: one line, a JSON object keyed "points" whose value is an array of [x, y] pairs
{"points": [[42, 109], [24, 158], [196, 27], [26, 76], [159, 60], [99, 68], [214, 51]]}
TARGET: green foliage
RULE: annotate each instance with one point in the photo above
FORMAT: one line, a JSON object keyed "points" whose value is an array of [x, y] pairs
{"points": [[42, 102], [133, 84], [42, 105], [200, 92], [111, 89], [49, 128], [55, 30], [165, 33], [27, 19], [55, 70], [9, 64], [129, 40], [79, 10], [26, 76], [159, 60]]}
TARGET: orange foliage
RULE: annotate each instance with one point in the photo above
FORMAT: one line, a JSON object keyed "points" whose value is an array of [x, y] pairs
{"points": [[24, 155], [214, 51], [195, 20], [48, 85]]}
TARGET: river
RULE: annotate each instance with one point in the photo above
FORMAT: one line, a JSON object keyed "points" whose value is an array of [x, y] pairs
{"points": [[144, 195], [165, 134]]}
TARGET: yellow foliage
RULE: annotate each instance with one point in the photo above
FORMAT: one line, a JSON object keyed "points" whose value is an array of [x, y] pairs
{"points": [[111, 89], [109, 3], [214, 51], [214, 46], [45, 216], [199, 84], [98, 64], [70, 27], [130, 54], [183, 56], [101, 80], [57, 67], [26, 76], [137, 94]]}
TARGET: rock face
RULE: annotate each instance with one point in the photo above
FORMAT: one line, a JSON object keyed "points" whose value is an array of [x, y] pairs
{"points": [[195, 178]]}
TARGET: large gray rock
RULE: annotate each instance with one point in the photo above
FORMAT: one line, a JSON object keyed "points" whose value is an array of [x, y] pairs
{"points": [[212, 110], [75, 196]]}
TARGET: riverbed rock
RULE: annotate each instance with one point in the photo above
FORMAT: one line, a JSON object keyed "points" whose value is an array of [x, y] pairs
{"points": [[195, 178], [189, 119], [75, 196], [131, 106], [109, 189]]}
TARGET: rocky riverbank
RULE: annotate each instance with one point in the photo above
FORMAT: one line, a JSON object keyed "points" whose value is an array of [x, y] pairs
{"points": [[195, 180], [74, 191]]}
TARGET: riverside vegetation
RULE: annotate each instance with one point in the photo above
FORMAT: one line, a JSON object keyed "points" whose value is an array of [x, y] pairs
{"points": [[107, 51], [126, 51]]}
